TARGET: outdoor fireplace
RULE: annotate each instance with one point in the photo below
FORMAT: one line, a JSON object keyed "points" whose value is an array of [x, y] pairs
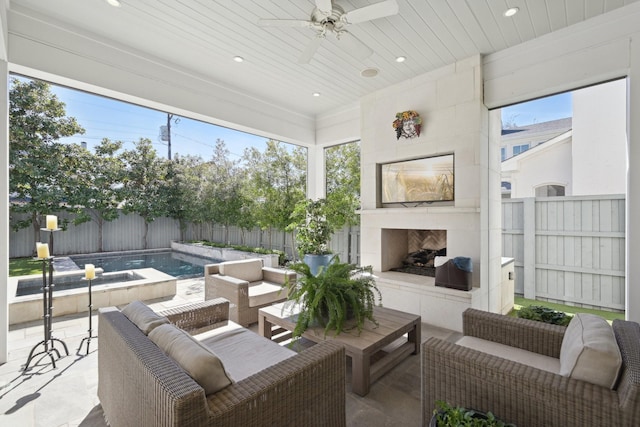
{"points": [[418, 254]]}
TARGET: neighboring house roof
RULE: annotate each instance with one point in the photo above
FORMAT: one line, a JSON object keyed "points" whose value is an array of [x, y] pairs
{"points": [[554, 126], [511, 163]]}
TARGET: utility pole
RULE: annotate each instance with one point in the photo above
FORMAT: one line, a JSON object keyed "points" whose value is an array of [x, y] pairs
{"points": [[169, 117]]}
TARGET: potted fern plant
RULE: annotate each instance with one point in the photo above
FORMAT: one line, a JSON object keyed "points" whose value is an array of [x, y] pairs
{"points": [[340, 297]]}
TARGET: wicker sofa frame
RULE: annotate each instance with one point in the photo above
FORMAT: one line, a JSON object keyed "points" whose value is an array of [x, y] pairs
{"points": [[521, 394], [140, 386]]}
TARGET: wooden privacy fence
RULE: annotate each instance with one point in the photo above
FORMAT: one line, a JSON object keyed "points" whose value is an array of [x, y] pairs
{"points": [[567, 249], [127, 233]]}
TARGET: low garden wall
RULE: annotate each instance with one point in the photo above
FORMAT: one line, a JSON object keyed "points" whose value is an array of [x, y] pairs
{"points": [[227, 254]]}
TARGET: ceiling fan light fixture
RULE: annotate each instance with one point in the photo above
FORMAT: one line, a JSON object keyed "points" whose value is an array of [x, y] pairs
{"points": [[511, 11], [114, 3], [316, 94], [401, 58], [327, 17], [238, 58], [369, 72]]}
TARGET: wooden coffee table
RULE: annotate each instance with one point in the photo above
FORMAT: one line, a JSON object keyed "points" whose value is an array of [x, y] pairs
{"points": [[371, 352]]}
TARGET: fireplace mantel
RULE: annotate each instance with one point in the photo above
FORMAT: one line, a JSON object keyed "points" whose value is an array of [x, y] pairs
{"points": [[446, 210]]}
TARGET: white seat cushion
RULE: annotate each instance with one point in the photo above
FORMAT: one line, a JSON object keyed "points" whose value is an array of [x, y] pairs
{"points": [[262, 293], [196, 359], [589, 351], [529, 358], [243, 352]]}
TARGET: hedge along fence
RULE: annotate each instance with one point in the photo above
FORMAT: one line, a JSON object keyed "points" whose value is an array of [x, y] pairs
{"points": [[127, 234]]}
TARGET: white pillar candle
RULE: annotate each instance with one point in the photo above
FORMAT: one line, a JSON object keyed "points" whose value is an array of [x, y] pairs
{"points": [[89, 271], [52, 222], [43, 250]]}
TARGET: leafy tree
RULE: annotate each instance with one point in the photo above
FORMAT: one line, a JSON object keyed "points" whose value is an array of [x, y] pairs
{"points": [[276, 182], [98, 185], [223, 197], [143, 185], [182, 190], [343, 184], [39, 174]]}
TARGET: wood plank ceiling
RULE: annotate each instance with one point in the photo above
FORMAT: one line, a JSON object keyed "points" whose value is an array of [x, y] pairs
{"points": [[203, 36]]}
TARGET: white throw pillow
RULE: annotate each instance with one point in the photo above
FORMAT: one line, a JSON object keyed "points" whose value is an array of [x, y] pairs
{"points": [[143, 317], [196, 359], [589, 351]]}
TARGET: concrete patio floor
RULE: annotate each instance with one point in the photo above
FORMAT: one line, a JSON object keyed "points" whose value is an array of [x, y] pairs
{"points": [[66, 395]]}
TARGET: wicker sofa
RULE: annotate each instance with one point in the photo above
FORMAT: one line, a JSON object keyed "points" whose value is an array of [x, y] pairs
{"points": [[519, 393], [139, 385]]}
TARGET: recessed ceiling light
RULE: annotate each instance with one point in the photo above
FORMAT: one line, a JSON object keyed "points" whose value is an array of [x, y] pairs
{"points": [[511, 11], [316, 94], [238, 58], [401, 58], [114, 3], [369, 72]]}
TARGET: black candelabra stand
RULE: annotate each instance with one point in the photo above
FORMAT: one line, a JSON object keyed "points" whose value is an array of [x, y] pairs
{"points": [[90, 331], [48, 343]]}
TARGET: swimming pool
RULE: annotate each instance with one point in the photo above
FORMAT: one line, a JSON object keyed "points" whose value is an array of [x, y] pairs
{"points": [[176, 264]]}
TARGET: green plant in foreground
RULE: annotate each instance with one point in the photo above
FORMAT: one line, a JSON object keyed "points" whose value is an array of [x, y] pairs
{"points": [[333, 295], [449, 416], [544, 314]]}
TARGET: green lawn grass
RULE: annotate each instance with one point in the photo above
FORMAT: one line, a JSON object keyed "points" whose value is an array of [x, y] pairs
{"points": [[569, 309], [24, 266]]}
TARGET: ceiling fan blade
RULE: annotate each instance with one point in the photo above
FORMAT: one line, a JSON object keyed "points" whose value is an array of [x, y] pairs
{"points": [[285, 23], [324, 6], [310, 50], [354, 46], [374, 11]]}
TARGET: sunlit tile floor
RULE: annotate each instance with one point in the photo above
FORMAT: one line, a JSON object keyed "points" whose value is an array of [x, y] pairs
{"points": [[66, 395]]}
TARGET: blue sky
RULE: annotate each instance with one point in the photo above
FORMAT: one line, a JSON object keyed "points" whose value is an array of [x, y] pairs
{"points": [[539, 110], [104, 117]]}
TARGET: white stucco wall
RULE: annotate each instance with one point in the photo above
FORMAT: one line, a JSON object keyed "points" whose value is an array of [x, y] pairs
{"points": [[541, 166], [600, 139]]}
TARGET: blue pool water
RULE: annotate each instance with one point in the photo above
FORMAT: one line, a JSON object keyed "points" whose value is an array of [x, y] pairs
{"points": [[176, 264]]}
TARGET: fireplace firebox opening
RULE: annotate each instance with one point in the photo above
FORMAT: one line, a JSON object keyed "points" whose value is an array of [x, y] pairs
{"points": [[418, 254]]}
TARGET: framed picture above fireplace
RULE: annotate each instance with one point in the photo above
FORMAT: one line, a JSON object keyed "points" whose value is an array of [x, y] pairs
{"points": [[413, 182]]}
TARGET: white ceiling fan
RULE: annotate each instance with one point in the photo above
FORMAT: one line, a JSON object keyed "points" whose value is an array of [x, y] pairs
{"points": [[328, 17]]}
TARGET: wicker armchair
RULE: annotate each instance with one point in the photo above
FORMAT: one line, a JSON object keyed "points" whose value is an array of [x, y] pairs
{"points": [[519, 393], [247, 285], [141, 386]]}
